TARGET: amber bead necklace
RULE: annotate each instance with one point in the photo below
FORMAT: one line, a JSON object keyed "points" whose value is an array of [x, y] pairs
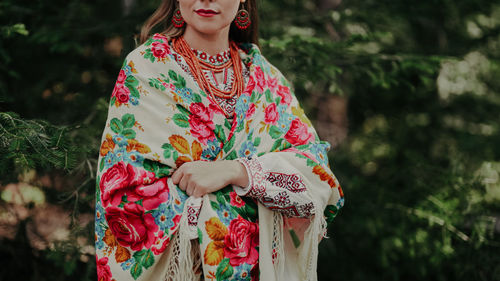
{"points": [[197, 67]]}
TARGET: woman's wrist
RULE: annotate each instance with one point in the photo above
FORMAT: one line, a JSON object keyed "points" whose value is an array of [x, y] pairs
{"points": [[240, 175]]}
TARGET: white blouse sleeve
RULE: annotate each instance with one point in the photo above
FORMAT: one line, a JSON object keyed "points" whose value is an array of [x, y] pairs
{"points": [[282, 192]]}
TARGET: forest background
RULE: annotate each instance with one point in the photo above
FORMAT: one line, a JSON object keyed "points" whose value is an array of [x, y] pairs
{"points": [[407, 92]]}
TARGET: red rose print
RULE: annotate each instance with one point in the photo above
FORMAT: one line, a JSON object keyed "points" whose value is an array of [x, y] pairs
{"points": [[113, 184], [298, 133], [160, 244], [261, 80], [131, 226], [103, 270], [176, 220], [272, 115], [139, 176], [250, 86], [284, 93], [215, 109], [121, 93], [159, 36], [272, 84], [200, 129], [160, 49], [251, 110], [236, 200], [152, 195], [241, 240], [120, 179], [201, 111], [121, 77]]}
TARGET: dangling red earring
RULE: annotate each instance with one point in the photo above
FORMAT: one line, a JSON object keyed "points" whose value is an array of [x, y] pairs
{"points": [[177, 19], [242, 19]]}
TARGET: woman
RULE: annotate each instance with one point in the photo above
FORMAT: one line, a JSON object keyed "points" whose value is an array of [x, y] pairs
{"points": [[208, 168]]}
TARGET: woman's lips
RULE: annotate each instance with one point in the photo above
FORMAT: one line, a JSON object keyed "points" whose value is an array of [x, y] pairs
{"points": [[206, 13]]}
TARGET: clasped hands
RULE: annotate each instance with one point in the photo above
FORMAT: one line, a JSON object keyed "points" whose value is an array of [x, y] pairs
{"points": [[198, 178]]}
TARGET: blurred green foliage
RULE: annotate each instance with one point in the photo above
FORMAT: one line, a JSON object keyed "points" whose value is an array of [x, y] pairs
{"points": [[420, 165]]}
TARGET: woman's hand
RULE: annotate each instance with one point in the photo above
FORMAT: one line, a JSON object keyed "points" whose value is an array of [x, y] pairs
{"points": [[201, 177]]}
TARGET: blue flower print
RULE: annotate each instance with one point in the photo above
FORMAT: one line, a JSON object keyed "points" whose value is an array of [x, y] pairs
{"points": [[179, 197], [185, 94], [208, 154], [247, 149], [225, 214], [99, 230], [281, 108], [242, 105], [212, 150], [319, 150], [242, 272], [161, 215], [284, 121], [257, 60], [100, 225], [126, 265], [121, 154], [133, 100], [99, 244], [135, 158], [110, 159], [120, 140], [127, 69], [99, 214]]}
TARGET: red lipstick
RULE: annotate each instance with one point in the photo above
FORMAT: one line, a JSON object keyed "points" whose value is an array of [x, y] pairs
{"points": [[206, 13]]}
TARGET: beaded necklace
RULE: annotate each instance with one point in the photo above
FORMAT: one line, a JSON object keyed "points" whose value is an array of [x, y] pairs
{"points": [[216, 62], [197, 66]]}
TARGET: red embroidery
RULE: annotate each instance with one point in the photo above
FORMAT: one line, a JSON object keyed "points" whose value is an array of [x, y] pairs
{"points": [[307, 210], [256, 177], [281, 192], [282, 199], [292, 182], [193, 211]]}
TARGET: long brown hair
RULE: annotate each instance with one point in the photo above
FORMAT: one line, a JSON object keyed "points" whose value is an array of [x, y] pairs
{"points": [[163, 15]]}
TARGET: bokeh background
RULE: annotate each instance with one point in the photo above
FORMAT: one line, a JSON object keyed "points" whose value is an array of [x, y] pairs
{"points": [[407, 93]]}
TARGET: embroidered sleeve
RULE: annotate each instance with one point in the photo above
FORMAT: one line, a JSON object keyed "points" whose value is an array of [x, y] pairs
{"points": [[280, 192]]}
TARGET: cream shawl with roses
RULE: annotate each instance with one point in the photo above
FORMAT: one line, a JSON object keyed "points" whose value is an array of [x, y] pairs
{"points": [[158, 119]]}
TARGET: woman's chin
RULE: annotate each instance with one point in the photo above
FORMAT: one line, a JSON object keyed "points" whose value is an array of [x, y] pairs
{"points": [[208, 28]]}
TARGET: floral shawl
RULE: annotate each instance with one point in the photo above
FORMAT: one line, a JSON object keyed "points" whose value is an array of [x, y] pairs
{"points": [[158, 119]]}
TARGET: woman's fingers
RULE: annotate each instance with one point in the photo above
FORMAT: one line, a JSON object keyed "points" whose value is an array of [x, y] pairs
{"points": [[176, 176], [191, 186], [184, 182], [199, 178], [198, 191]]}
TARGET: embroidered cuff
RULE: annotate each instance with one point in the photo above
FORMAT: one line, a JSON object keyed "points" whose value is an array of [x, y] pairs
{"points": [[256, 185], [193, 209]]}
